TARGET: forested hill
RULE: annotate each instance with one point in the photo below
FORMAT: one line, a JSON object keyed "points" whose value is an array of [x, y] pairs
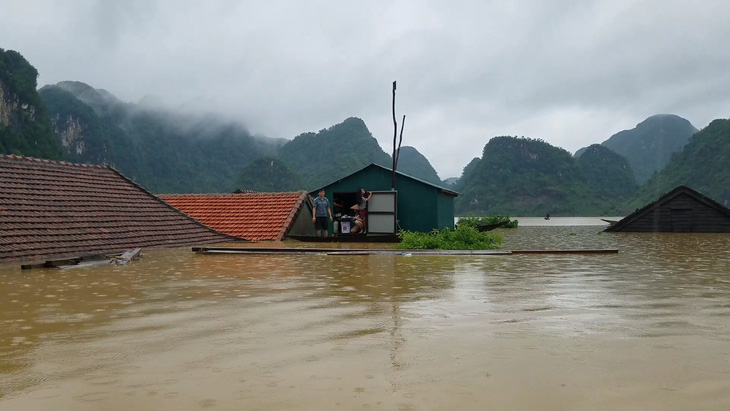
{"points": [[100, 100], [703, 164], [649, 146], [413, 163], [163, 151], [269, 174], [522, 176], [168, 152], [86, 137], [607, 173], [25, 128], [171, 152], [320, 158]]}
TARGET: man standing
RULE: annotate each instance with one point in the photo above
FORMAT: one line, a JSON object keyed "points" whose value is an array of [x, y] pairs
{"points": [[321, 210]]}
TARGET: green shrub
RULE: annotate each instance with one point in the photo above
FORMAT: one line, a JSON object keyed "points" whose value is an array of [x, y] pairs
{"points": [[474, 221], [463, 238]]}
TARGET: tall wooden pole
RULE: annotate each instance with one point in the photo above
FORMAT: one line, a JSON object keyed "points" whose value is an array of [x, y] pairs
{"points": [[400, 140], [395, 136]]}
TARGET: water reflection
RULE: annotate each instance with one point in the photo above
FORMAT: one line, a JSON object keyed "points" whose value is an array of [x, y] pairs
{"points": [[645, 328]]}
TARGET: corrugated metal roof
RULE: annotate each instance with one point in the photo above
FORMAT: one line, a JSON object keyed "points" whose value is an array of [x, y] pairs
{"points": [[390, 170]]}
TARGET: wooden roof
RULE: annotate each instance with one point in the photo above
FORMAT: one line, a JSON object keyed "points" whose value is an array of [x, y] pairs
{"points": [[254, 216], [680, 210], [53, 210]]}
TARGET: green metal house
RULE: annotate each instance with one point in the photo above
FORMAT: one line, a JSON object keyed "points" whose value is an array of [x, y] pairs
{"points": [[415, 205]]}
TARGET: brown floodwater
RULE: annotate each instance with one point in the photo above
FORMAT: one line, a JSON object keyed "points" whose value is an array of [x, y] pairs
{"points": [[647, 328]]}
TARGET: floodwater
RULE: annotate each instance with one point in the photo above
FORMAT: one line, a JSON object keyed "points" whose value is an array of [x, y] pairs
{"points": [[564, 221], [645, 329]]}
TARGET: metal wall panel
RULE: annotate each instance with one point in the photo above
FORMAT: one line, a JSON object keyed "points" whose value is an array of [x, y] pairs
{"points": [[381, 223], [382, 202], [382, 212]]}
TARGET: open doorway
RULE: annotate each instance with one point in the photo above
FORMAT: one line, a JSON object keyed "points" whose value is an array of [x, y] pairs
{"points": [[381, 216], [342, 204], [347, 216]]}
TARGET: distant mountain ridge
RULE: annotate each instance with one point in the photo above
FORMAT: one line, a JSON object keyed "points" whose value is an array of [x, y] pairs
{"points": [[703, 164], [649, 146], [268, 174], [24, 124], [86, 137], [607, 173], [165, 152], [99, 99], [170, 152], [413, 163], [320, 158], [523, 176]]}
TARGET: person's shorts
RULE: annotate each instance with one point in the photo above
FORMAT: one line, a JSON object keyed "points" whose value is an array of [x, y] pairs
{"points": [[322, 223]]}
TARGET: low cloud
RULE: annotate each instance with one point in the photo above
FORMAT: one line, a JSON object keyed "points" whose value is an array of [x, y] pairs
{"points": [[569, 72]]}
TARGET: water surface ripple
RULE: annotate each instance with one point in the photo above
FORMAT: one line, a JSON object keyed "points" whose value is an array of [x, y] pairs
{"points": [[647, 328]]}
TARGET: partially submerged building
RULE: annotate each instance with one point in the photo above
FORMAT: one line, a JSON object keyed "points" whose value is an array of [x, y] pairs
{"points": [[682, 210], [54, 210], [255, 216], [414, 205]]}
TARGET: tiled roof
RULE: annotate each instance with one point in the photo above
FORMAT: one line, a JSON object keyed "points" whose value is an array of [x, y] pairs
{"points": [[56, 210], [253, 216]]}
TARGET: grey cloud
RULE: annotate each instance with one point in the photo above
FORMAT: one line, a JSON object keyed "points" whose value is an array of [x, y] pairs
{"points": [[569, 72]]}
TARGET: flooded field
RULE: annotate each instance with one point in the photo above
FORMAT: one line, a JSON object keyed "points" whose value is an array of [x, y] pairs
{"points": [[647, 328]]}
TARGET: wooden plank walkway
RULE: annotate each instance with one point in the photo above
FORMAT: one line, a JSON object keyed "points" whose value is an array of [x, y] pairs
{"points": [[577, 251], [365, 251]]}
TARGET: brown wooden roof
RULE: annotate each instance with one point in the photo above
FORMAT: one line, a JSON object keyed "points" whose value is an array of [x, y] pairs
{"points": [[56, 210], [680, 210]]}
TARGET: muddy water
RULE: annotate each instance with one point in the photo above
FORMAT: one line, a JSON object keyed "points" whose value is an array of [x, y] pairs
{"points": [[648, 328]]}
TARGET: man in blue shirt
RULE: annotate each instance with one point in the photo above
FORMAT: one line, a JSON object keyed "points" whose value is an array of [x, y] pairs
{"points": [[321, 210]]}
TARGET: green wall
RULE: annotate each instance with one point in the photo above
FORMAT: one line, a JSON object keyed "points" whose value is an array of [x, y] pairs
{"points": [[421, 206], [445, 211]]}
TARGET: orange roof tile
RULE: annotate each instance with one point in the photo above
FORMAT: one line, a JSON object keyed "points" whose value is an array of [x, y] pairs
{"points": [[253, 216]]}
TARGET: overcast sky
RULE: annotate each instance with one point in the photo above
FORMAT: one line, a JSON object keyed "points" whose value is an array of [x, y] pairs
{"points": [[571, 73]]}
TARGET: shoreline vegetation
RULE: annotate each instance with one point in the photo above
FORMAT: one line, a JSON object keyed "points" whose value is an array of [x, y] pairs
{"points": [[476, 221], [464, 237]]}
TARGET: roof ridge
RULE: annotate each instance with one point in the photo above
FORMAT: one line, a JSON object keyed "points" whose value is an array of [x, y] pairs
{"points": [[665, 198], [292, 215], [442, 188], [258, 193], [16, 157]]}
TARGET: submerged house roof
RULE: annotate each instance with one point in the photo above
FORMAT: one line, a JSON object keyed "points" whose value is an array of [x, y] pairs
{"points": [[682, 210], [52, 210], [254, 216]]}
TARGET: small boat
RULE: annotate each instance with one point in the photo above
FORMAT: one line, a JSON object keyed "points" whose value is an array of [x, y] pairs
{"points": [[348, 238], [489, 227]]}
